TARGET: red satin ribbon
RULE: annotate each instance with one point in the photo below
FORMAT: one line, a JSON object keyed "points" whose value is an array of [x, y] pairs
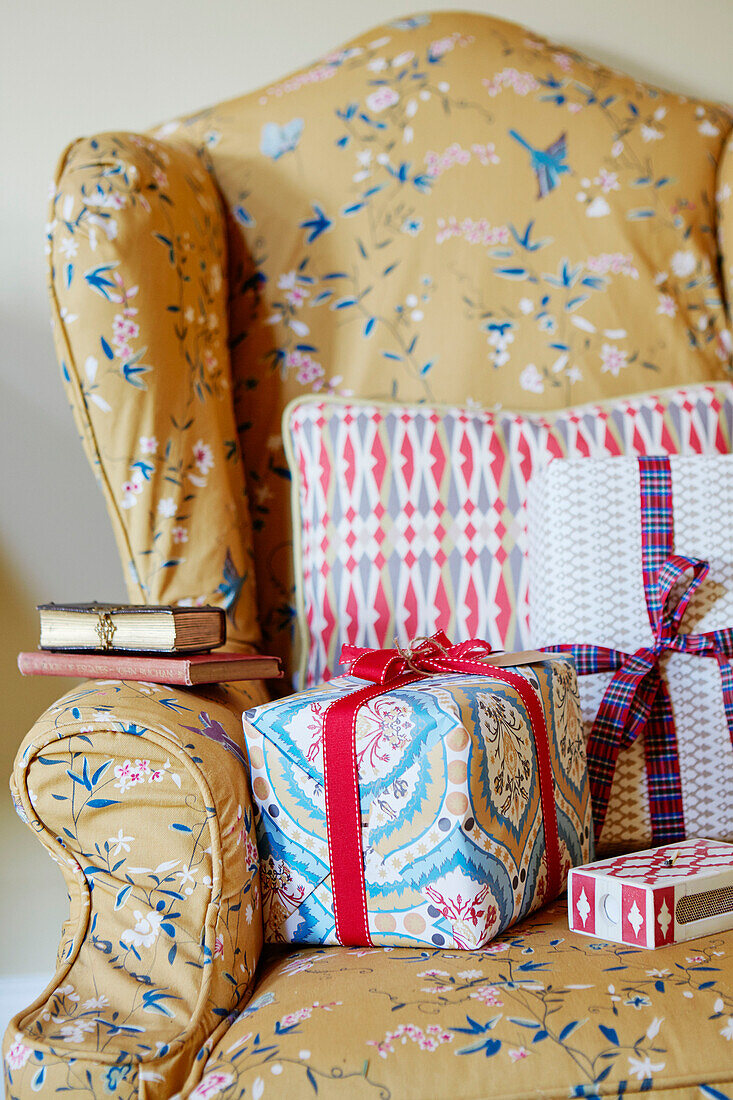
{"points": [[389, 669]]}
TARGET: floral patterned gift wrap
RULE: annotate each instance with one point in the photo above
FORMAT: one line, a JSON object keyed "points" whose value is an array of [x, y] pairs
{"points": [[433, 801]]}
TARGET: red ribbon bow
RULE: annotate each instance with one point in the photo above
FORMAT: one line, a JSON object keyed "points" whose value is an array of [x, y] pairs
{"points": [[388, 670], [423, 655]]}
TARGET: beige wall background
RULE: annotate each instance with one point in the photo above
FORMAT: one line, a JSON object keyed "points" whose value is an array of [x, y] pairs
{"points": [[82, 66]]}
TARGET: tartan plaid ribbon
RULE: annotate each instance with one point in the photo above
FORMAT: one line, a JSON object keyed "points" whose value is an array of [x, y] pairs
{"points": [[637, 700], [388, 669]]}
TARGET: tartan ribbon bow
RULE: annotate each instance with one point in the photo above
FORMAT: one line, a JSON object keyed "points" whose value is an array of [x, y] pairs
{"points": [[630, 697], [386, 670], [637, 698]]}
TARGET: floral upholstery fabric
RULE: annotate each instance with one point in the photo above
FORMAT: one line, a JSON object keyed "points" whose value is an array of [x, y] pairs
{"points": [[140, 794], [448, 208], [541, 1012], [127, 1015], [139, 296]]}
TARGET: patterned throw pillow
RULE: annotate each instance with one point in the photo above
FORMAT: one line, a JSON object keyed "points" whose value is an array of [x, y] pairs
{"points": [[409, 518]]}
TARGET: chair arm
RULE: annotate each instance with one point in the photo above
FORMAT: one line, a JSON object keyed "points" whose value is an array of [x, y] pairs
{"points": [[140, 793]]}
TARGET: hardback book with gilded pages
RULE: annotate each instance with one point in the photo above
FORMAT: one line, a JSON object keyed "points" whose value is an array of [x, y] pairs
{"points": [[104, 627]]}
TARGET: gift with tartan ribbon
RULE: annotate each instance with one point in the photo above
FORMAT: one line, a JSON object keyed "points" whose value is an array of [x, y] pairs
{"points": [[646, 590], [429, 798]]}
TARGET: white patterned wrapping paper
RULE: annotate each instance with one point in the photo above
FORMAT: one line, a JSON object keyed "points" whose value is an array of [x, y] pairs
{"points": [[586, 587], [412, 518]]}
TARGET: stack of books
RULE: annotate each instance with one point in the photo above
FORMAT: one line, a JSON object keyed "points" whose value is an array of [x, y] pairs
{"points": [[167, 645]]}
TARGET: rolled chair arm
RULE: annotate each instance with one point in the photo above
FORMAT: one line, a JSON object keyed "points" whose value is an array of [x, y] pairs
{"points": [[140, 794]]}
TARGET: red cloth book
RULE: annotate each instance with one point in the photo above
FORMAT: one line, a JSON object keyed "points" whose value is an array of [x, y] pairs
{"points": [[203, 668]]}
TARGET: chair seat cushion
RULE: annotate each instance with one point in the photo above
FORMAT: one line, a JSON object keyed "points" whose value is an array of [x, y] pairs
{"points": [[542, 1012]]}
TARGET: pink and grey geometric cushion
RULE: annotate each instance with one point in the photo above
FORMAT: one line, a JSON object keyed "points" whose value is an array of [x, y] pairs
{"points": [[409, 518]]}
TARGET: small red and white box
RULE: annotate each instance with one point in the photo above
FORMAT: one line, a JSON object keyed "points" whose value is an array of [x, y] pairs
{"points": [[657, 897]]}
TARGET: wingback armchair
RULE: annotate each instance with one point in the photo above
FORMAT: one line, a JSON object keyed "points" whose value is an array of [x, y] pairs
{"points": [[447, 209]]}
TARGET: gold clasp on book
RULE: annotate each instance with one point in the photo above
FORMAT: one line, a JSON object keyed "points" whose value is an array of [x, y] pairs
{"points": [[105, 629]]}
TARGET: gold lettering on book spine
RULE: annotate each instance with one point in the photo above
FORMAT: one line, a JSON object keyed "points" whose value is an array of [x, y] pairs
{"points": [[105, 629]]}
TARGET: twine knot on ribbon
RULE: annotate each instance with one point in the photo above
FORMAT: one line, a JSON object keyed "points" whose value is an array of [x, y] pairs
{"points": [[425, 656]]}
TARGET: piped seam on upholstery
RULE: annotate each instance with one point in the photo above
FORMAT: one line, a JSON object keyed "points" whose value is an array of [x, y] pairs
{"points": [[65, 732], [81, 408]]}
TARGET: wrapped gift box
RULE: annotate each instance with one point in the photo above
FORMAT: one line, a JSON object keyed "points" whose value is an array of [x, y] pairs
{"points": [[654, 898], [449, 804], [632, 557]]}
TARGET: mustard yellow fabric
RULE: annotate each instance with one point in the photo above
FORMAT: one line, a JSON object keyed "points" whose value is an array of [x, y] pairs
{"points": [[140, 794], [539, 1009], [541, 1012], [137, 251], [447, 208]]}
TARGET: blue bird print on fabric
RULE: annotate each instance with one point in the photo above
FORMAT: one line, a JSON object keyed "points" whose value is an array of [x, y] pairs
{"points": [[277, 140], [216, 732], [548, 164], [231, 586]]}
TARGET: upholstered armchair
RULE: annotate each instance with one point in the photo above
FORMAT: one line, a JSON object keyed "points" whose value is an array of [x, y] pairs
{"points": [[448, 209]]}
